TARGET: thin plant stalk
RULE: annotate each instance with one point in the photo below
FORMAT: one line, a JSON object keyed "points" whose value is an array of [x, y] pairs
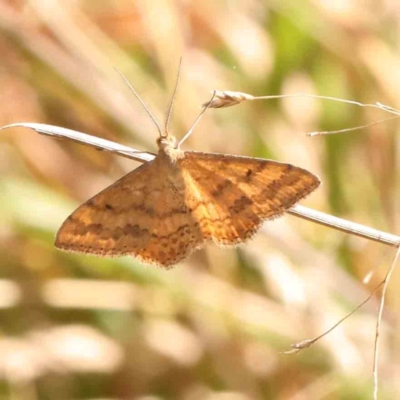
{"points": [[143, 156], [379, 320]]}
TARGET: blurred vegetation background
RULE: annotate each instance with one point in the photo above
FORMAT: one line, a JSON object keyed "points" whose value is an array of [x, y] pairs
{"points": [[80, 327]]}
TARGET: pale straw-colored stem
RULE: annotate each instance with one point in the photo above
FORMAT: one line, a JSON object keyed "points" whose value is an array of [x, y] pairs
{"points": [[137, 155], [379, 319], [345, 225], [378, 105], [355, 128], [305, 344]]}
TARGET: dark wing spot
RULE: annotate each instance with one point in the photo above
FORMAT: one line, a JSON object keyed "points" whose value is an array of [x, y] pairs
{"points": [[240, 204], [221, 187]]}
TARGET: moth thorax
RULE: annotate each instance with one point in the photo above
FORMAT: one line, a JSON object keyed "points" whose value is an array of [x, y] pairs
{"points": [[167, 147]]}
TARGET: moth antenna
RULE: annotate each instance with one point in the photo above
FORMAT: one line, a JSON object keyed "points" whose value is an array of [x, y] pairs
{"points": [[171, 104], [190, 131], [141, 101]]}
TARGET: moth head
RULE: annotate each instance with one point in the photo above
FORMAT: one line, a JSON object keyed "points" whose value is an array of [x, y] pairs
{"points": [[166, 140]]}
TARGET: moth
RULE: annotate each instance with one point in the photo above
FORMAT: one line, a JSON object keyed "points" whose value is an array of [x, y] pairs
{"points": [[167, 208]]}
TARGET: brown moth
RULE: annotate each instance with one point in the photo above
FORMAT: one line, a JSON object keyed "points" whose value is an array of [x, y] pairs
{"points": [[171, 206]]}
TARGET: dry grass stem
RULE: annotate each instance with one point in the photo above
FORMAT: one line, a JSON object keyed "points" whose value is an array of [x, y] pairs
{"points": [[137, 155], [356, 128], [385, 283], [305, 344], [231, 98], [345, 225]]}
